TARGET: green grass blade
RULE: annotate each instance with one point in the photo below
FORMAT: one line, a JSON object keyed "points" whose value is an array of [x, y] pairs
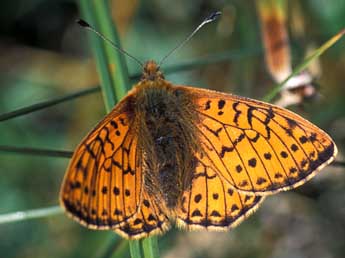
{"points": [[318, 52], [30, 214], [134, 249], [150, 247]]}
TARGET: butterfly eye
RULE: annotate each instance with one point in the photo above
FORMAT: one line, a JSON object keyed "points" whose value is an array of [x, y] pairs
{"points": [[178, 93]]}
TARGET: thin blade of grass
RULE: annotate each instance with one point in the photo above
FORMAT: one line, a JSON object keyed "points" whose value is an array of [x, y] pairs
{"points": [[46, 104], [318, 52], [36, 151], [30, 214]]}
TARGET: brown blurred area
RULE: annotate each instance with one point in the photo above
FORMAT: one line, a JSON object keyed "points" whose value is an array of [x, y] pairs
{"points": [[44, 54]]}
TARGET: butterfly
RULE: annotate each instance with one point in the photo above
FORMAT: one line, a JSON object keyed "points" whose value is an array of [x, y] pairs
{"points": [[198, 158]]}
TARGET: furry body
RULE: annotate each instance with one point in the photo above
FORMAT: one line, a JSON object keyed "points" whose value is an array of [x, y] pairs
{"points": [[166, 134]]}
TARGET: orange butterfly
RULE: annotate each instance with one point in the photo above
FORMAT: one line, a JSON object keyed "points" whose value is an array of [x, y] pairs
{"points": [[200, 158]]}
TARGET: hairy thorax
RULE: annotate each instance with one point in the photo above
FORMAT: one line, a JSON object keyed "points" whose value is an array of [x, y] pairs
{"points": [[167, 136]]}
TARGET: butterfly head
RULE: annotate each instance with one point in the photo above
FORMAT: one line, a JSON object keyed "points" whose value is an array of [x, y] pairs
{"points": [[151, 71]]}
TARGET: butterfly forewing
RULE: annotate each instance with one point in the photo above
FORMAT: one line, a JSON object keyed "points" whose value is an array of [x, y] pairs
{"points": [[102, 186], [258, 147]]}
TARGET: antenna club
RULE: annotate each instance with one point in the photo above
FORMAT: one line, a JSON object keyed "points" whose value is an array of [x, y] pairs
{"points": [[213, 16], [83, 23]]}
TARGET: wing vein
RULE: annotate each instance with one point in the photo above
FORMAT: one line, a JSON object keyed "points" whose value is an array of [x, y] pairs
{"points": [[251, 144], [240, 157], [214, 148]]}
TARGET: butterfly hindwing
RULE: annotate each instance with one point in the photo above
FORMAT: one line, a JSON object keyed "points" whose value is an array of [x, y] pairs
{"points": [[150, 220], [211, 202], [258, 147], [102, 186]]}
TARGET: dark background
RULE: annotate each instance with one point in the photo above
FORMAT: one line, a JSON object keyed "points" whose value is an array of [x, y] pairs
{"points": [[44, 54]]}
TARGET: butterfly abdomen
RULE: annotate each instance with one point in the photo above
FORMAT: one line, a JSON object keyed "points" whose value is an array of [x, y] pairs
{"points": [[169, 139]]}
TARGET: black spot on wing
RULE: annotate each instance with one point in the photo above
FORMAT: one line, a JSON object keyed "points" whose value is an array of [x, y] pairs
{"points": [[250, 114], [114, 124], [303, 139], [239, 168], [270, 115], [261, 181], [267, 156], [146, 203], [215, 196], [104, 190], [196, 213], [197, 198], [237, 112], [116, 190], [221, 104], [215, 213], [284, 154], [252, 162], [207, 105], [294, 147]]}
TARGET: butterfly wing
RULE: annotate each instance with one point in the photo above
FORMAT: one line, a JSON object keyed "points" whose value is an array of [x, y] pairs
{"points": [[258, 147], [211, 202], [102, 185], [150, 220]]}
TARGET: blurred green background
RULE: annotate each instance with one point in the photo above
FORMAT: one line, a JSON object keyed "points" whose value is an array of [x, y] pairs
{"points": [[44, 54]]}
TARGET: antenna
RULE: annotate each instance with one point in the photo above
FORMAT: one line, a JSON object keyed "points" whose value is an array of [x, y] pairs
{"points": [[87, 26], [212, 17]]}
